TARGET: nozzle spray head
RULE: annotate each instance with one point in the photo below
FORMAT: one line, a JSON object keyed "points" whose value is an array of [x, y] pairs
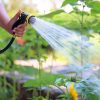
{"points": [[31, 19], [24, 17]]}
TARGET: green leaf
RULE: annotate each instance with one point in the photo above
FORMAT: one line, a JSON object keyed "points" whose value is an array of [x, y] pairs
{"points": [[42, 81], [95, 11], [52, 13], [96, 27], [69, 2], [90, 88], [88, 1], [95, 6]]}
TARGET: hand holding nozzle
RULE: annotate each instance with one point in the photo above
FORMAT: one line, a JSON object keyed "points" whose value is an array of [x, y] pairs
{"points": [[19, 28], [18, 25], [21, 20]]}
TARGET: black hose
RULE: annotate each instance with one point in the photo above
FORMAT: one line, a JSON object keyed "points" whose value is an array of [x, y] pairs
{"points": [[8, 45]]}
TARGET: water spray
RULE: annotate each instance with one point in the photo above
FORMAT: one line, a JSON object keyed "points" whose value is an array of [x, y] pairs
{"points": [[21, 20]]}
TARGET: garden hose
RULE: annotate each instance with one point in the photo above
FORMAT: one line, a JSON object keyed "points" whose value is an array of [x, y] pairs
{"points": [[21, 20]]}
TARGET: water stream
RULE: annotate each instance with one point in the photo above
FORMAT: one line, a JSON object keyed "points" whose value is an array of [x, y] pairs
{"points": [[70, 43]]}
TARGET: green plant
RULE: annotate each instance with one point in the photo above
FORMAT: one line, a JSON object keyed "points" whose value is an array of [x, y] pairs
{"points": [[89, 88]]}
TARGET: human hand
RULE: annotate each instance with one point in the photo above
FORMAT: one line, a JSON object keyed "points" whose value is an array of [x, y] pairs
{"points": [[19, 30]]}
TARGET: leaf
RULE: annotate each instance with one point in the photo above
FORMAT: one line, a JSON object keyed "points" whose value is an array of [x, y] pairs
{"points": [[42, 81], [52, 13], [95, 6], [60, 81], [88, 1], [96, 27], [94, 11], [69, 2], [90, 88], [29, 83]]}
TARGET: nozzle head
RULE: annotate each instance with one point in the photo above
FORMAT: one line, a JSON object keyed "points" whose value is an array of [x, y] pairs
{"points": [[31, 20]]}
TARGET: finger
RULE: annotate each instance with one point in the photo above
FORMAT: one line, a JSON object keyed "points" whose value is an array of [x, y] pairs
{"points": [[19, 30], [25, 23], [19, 34], [22, 25], [16, 16]]}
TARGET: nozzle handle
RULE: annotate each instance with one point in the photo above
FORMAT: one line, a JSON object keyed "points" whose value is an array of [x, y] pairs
{"points": [[21, 20]]}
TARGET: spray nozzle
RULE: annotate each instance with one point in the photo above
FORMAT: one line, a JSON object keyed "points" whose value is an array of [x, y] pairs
{"points": [[24, 17], [29, 19]]}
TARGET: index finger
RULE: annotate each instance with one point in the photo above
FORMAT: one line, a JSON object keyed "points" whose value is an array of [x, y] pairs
{"points": [[22, 25]]}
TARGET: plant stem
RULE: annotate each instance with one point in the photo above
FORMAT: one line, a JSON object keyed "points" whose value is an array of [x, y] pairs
{"points": [[14, 84], [39, 59], [82, 32]]}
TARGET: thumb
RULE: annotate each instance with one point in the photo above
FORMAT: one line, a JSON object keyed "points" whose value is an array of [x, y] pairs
{"points": [[16, 16], [12, 21]]}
